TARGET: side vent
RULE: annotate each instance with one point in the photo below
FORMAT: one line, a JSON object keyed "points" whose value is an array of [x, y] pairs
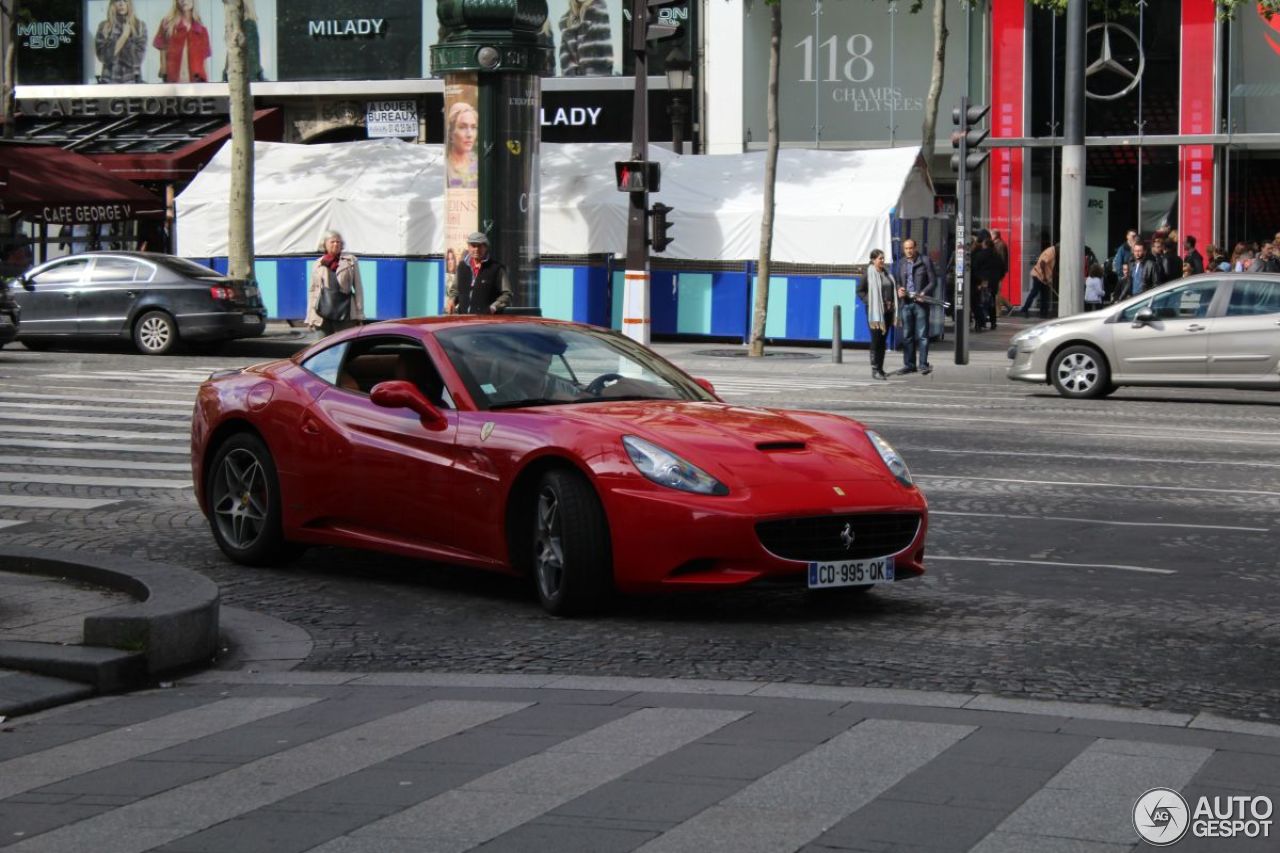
{"points": [[771, 446]]}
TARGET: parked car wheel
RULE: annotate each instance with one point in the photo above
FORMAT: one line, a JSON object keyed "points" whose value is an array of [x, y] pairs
{"points": [[572, 565], [1080, 372], [243, 496], [155, 333]]}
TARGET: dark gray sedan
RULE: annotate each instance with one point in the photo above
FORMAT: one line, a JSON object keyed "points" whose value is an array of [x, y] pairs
{"points": [[154, 300]]}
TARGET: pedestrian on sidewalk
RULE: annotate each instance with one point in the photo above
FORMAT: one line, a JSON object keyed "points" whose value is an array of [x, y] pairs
{"points": [[335, 299], [1193, 256], [917, 287], [877, 291], [1143, 274], [481, 285], [1094, 288], [1042, 277]]}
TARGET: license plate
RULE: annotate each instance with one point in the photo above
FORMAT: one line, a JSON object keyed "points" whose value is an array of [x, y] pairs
{"points": [[251, 318], [851, 573]]}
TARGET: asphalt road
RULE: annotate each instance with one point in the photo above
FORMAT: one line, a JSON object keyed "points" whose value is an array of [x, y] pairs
{"points": [[1120, 551]]}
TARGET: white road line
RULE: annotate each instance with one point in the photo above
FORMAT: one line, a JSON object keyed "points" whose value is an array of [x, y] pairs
{"points": [[104, 482], [69, 462], [9, 522], [95, 433], [497, 802], [790, 807], [987, 515], [166, 420], [1149, 434], [89, 398], [1192, 432], [52, 502], [1092, 457], [1087, 804], [37, 444], [1054, 563], [1140, 486], [49, 766], [135, 408], [164, 818]]}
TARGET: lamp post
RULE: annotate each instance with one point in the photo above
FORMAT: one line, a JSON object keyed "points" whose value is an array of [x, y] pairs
{"points": [[679, 80]]}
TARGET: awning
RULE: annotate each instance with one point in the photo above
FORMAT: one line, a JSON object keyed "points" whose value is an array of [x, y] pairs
{"points": [[49, 185]]}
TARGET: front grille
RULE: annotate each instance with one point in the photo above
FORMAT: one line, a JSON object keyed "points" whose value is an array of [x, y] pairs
{"points": [[822, 539]]}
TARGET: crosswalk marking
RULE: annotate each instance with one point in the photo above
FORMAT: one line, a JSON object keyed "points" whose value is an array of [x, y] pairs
{"points": [[94, 433], [165, 420], [54, 409], [1090, 801], [38, 444], [77, 462], [88, 398], [788, 808], [37, 769], [80, 480], [53, 502], [502, 800], [10, 522], [164, 818]]}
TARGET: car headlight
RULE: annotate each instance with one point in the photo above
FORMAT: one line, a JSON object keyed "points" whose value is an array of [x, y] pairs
{"points": [[666, 469], [1035, 333], [895, 463]]}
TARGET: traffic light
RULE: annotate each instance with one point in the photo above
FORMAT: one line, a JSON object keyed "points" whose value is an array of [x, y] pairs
{"points": [[968, 137], [637, 176], [660, 239], [662, 19]]}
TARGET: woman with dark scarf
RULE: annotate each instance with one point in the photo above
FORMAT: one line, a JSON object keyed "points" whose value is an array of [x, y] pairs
{"points": [[340, 270], [881, 299]]}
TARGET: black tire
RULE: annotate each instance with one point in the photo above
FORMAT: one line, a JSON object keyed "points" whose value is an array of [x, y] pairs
{"points": [[36, 345], [570, 556], [155, 333], [1080, 372], [242, 491]]}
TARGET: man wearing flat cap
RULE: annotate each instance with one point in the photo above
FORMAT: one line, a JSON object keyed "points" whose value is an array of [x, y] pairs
{"points": [[481, 285]]}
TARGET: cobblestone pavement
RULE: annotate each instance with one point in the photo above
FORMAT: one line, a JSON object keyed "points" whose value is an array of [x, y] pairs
{"points": [[1120, 551]]}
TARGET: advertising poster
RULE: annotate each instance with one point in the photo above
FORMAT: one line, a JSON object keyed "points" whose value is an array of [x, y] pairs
{"points": [[172, 41], [49, 34], [462, 168], [350, 39]]}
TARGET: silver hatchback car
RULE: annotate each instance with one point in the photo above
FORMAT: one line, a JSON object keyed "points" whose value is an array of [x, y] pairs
{"points": [[1219, 329]]}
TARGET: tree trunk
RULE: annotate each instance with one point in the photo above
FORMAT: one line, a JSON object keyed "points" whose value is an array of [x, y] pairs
{"points": [[761, 311], [8, 19], [929, 130], [240, 218]]}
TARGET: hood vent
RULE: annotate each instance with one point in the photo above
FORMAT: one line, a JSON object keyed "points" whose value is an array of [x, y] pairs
{"points": [[771, 446]]}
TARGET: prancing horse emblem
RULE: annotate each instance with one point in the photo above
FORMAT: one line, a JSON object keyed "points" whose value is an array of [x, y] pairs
{"points": [[846, 536]]}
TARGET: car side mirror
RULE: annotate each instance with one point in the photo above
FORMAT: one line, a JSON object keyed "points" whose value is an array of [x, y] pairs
{"points": [[27, 284], [1144, 316], [399, 394], [705, 385]]}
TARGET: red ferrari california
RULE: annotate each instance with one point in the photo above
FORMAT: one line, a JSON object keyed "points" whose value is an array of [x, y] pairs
{"points": [[562, 452]]}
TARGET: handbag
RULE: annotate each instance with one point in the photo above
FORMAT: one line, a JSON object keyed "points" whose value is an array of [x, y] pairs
{"points": [[333, 304]]}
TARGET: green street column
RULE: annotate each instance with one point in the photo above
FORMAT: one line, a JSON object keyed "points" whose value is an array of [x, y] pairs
{"points": [[491, 54]]}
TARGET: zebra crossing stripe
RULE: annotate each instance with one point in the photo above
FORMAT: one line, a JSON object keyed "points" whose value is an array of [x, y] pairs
{"points": [[95, 433], [164, 818], [1090, 801], [52, 502], [135, 420], [105, 482], [37, 444], [9, 522], [497, 802], [59, 763], [788, 808], [76, 462], [87, 398]]}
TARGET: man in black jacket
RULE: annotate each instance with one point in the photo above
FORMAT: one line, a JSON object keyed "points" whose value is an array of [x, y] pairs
{"points": [[481, 285], [1143, 273], [916, 284]]}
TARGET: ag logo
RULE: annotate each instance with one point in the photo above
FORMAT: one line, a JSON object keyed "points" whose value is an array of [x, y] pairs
{"points": [[1117, 61], [1161, 816], [513, 145]]}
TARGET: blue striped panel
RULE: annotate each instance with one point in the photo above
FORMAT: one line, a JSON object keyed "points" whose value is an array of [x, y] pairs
{"points": [[557, 292], [422, 288], [728, 296], [694, 303], [369, 280], [803, 298], [391, 288], [292, 278], [591, 295], [837, 291], [664, 302], [265, 273], [619, 285], [221, 265], [775, 324], [861, 331]]}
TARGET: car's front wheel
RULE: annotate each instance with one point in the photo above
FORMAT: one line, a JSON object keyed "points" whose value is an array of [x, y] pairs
{"points": [[571, 560], [155, 333], [242, 491], [1080, 372]]}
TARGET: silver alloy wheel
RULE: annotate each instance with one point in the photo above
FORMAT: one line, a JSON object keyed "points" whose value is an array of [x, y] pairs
{"points": [[1078, 372], [154, 333], [548, 551], [240, 498]]}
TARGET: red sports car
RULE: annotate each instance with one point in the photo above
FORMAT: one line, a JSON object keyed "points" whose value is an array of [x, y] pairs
{"points": [[560, 451]]}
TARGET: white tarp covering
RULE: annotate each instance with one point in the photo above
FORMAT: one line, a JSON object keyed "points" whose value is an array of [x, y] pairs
{"points": [[385, 196]]}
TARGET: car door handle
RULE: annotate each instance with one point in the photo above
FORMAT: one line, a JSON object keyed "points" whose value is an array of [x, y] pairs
{"points": [[1195, 327]]}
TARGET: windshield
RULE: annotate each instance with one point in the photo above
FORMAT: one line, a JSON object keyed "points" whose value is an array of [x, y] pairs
{"points": [[513, 365]]}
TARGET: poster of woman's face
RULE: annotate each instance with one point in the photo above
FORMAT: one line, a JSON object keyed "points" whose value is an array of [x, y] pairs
{"points": [[462, 167], [159, 41]]}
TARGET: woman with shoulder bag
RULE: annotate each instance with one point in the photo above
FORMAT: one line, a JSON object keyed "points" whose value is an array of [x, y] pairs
{"points": [[335, 299], [881, 298]]}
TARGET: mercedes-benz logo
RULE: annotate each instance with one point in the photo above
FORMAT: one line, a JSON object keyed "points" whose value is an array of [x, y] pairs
{"points": [[846, 535], [1116, 63]]}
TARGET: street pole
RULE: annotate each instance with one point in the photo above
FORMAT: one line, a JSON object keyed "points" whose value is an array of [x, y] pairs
{"points": [[636, 323], [1071, 242], [959, 302]]}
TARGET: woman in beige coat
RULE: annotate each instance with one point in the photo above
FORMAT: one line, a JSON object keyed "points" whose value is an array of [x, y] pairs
{"points": [[339, 269]]}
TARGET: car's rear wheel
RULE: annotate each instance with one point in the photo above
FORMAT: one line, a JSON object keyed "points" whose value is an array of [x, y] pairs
{"points": [[1080, 372], [155, 333], [571, 559], [242, 491]]}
